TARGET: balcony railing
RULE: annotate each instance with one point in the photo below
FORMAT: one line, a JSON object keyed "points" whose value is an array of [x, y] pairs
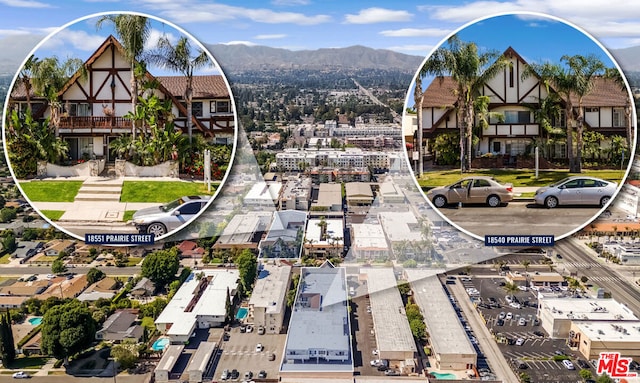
{"points": [[101, 124]]}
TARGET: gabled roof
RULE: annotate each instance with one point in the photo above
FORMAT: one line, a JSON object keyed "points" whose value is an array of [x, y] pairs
{"points": [[606, 92]]}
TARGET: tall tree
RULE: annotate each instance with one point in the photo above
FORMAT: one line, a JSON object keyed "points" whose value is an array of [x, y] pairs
{"points": [[133, 32], [470, 70], [161, 266], [418, 100], [49, 76], [180, 58], [67, 329], [572, 80], [7, 347], [615, 75], [248, 268], [26, 73]]}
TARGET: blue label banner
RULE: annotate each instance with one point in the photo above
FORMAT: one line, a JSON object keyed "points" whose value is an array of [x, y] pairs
{"points": [[518, 240], [119, 239]]}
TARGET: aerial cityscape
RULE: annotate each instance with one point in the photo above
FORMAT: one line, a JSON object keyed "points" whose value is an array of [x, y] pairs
{"points": [[321, 255]]}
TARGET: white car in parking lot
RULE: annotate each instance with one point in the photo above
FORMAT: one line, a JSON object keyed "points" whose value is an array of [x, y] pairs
{"points": [[568, 365]]}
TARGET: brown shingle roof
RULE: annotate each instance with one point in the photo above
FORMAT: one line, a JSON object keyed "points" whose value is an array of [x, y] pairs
{"points": [[212, 86], [606, 92], [440, 93]]}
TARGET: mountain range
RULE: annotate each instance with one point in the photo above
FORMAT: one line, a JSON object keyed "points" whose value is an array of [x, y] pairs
{"points": [[239, 57]]}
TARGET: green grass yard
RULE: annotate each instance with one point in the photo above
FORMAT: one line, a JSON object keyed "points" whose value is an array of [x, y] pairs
{"points": [[5, 259], [128, 215], [160, 191], [53, 215], [30, 363], [51, 191], [518, 178]]}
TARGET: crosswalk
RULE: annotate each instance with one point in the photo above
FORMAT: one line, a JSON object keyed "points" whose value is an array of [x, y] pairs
{"points": [[583, 265], [606, 279]]}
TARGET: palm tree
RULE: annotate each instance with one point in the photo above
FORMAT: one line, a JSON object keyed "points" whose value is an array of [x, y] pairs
{"points": [[525, 263], [133, 31], [418, 99], [26, 73], [49, 77], [470, 70], [510, 288], [615, 75], [179, 58], [573, 80]]}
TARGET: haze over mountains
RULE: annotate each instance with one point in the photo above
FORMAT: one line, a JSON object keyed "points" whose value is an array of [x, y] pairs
{"points": [[239, 57]]}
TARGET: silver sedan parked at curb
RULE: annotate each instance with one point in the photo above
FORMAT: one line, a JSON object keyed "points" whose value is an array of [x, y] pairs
{"points": [[576, 190], [159, 220], [476, 189]]}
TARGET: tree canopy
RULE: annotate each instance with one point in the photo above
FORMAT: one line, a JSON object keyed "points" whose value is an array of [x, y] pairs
{"points": [[67, 329], [94, 275], [248, 267], [161, 266]]}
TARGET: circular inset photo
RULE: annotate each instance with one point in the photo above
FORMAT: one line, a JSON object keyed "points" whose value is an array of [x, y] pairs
{"points": [[522, 125], [119, 123]]}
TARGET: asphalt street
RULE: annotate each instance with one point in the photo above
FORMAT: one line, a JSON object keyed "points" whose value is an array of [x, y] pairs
{"points": [[519, 218]]}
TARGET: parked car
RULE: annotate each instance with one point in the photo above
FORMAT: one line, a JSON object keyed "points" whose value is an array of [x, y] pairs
{"points": [[568, 365], [272, 357], [392, 373], [509, 316], [519, 342], [21, 375], [248, 375], [259, 347], [261, 330], [538, 333], [382, 367], [522, 322], [262, 374], [502, 315], [160, 220], [583, 363], [225, 375], [235, 374], [500, 322], [477, 189], [576, 190]]}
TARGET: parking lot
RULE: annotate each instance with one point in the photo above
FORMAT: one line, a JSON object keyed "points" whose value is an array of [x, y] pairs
{"points": [[520, 337], [239, 352]]}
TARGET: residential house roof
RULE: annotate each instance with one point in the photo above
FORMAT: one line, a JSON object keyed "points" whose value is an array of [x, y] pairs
{"points": [[144, 286], [212, 86], [25, 288], [120, 325], [67, 288]]}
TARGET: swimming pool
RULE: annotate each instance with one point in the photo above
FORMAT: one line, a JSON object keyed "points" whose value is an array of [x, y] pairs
{"points": [[35, 321], [444, 376], [242, 313], [160, 344]]}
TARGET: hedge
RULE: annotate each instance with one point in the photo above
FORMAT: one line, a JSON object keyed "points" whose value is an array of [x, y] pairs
{"points": [[29, 336]]}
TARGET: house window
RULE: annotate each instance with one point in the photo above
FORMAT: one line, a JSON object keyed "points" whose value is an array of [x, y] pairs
{"points": [[517, 117], [219, 107], [618, 118], [510, 77], [496, 146], [592, 110], [79, 110], [559, 120], [196, 108]]}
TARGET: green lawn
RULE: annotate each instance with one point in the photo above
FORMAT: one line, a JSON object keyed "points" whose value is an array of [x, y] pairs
{"points": [[53, 215], [513, 176], [29, 363], [133, 261], [160, 191], [5, 259], [51, 191], [128, 215]]}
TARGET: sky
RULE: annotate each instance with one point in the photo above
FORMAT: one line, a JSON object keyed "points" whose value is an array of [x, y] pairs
{"points": [[412, 27]]}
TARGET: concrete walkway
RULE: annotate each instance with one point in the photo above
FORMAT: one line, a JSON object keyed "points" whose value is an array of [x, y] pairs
{"points": [[98, 201]]}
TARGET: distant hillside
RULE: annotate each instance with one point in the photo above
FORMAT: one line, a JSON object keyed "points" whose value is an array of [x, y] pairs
{"points": [[628, 58], [238, 57], [13, 50]]}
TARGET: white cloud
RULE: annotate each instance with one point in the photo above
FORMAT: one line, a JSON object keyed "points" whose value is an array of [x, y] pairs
{"points": [[415, 32], [211, 12], [270, 37], [154, 37], [377, 15], [290, 2], [240, 42], [25, 4], [79, 40]]}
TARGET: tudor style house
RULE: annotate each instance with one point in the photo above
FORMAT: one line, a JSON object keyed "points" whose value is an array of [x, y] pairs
{"points": [[95, 103], [515, 98]]}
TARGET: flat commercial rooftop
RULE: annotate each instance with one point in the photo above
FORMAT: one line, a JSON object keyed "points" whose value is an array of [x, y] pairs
{"points": [[610, 331], [400, 226], [320, 321], [170, 357], [335, 229], [242, 228], [446, 332], [389, 318], [586, 309], [202, 356], [369, 236], [271, 288], [189, 302]]}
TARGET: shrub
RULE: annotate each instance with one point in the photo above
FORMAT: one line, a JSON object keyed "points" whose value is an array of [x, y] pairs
{"points": [[29, 336]]}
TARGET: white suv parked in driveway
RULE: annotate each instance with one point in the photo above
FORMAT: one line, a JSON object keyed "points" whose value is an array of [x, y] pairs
{"points": [[159, 220]]}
